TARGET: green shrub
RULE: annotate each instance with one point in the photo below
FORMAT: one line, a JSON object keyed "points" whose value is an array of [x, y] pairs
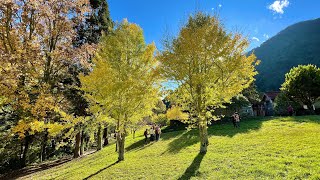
{"points": [[281, 104]]}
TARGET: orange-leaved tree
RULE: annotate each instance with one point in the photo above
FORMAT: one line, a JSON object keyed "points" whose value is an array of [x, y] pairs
{"points": [[35, 51]]}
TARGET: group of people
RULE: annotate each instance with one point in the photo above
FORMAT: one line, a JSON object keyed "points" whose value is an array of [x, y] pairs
{"points": [[153, 133]]}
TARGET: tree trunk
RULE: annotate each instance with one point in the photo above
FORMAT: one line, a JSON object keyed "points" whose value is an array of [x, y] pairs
{"points": [[53, 147], [99, 143], [117, 144], [44, 146], [77, 146], [82, 143], [311, 110], [105, 136], [203, 133], [120, 141], [27, 140], [204, 142]]}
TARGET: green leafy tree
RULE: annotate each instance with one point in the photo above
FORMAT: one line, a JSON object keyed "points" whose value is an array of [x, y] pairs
{"points": [[302, 84], [282, 102], [123, 83], [238, 102], [251, 93], [97, 22], [210, 66], [176, 113]]}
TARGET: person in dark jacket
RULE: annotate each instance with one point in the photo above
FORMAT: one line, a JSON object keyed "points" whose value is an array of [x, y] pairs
{"points": [[158, 132], [146, 136], [236, 120]]}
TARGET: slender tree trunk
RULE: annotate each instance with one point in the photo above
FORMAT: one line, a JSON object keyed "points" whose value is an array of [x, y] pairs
{"points": [[310, 107], [53, 147], [203, 132], [77, 146], [204, 142], [117, 141], [117, 134], [82, 143], [99, 143], [120, 141], [105, 136], [27, 140], [44, 146], [21, 150]]}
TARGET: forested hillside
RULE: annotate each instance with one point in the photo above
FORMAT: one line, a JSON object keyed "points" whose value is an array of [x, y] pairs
{"points": [[297, 44]]}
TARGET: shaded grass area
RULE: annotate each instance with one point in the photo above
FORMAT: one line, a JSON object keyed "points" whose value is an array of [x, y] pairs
{"points": [[269, 148]]}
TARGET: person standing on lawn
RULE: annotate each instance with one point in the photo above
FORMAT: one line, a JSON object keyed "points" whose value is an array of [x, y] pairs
{"points": [[158, 132], [236, 120], [152, 134], [145, 136]]}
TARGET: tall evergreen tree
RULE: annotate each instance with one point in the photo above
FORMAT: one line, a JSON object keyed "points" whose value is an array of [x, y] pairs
{"points": [[96, 23]]}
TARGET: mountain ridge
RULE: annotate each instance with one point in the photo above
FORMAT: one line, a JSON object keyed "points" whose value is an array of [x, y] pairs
{"points": [[297, 44]]}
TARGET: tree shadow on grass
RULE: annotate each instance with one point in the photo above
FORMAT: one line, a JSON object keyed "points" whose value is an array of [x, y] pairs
{"points": [[184, 139], [246, 125], [94, 174], [139, 145], [303, 119], [172, 134], [192, 170]]}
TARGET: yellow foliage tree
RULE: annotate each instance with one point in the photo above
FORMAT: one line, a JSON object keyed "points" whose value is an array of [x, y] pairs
{"points": [[175, 113], [210, 66], [35, 51], [123, 82]]}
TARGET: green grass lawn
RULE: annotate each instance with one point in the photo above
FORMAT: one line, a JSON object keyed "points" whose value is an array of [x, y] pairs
{"points": [[273, 148]]}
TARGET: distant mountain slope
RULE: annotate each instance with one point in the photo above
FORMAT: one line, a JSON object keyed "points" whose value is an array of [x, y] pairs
{"points": [[297, 44]]}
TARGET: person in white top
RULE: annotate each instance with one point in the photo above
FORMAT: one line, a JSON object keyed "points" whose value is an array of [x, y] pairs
{"points": [[152, 133]]}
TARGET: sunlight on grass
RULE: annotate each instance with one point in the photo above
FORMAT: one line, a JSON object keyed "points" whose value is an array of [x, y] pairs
{"points": [[273, 148]]}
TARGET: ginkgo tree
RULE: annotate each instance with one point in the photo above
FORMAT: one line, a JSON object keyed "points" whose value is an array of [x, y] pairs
{"points": [[175, 113], [209, 64], [124, 82]]}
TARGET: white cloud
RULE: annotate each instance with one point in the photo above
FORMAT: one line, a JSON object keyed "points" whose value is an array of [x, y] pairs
{"points": [[212, 9], [220, 5], [266, 36], [256, 39], [279, 5]]}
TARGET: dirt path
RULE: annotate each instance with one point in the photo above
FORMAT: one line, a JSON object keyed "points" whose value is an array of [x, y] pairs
{"points": [[24, 172]]}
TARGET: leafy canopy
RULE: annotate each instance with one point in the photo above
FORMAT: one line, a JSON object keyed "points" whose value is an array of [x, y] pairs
{"points": [[302, 84], [208, 63], [35, 50], [123, 83], [210, 66]]}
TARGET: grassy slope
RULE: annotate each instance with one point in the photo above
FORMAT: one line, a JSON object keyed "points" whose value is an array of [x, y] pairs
{"points": [[274, 148]]}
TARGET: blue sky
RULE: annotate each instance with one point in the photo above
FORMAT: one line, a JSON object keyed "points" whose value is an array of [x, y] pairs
{"points": [[258, 19]]}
